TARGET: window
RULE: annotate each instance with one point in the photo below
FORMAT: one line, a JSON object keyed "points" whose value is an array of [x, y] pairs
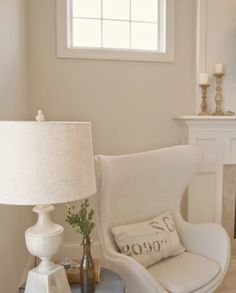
{"points": [[116, 29]]}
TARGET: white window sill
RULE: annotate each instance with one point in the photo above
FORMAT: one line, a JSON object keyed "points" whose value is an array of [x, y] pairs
{"points": [[113, 54]]}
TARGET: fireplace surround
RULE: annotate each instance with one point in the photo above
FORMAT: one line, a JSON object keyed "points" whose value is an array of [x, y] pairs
{"points": [[211, 195]]}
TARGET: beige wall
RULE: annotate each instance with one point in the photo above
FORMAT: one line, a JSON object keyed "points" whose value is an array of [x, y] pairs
{"points": [[13, 105], [221, 47], [131, 104], [13, 65]]}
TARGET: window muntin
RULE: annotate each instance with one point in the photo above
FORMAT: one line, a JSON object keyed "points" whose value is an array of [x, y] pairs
{"points": [[118, 24]]}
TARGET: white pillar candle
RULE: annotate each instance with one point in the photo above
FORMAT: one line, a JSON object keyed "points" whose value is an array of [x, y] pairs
{"points": [[219, 68], [204, 78]]}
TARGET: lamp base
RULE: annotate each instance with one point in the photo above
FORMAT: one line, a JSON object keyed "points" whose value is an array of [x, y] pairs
{"points": [[43, 240], [52, 282]]}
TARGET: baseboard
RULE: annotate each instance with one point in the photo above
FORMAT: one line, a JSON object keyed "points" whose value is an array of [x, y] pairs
{"points": [[29, 265], [73, 250]]}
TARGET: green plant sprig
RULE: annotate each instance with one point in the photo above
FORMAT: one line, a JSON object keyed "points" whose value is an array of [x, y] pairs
{"points": [[82, 220]]}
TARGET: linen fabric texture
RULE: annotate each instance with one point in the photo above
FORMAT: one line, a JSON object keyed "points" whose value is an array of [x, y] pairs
{"points": [[149, 241]]}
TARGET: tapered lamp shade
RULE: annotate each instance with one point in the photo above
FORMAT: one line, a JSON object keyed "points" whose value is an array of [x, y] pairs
{"points": [[45, 162]]}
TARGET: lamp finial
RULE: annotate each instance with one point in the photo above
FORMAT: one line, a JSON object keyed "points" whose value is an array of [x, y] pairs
{"points": [[40, 117]]}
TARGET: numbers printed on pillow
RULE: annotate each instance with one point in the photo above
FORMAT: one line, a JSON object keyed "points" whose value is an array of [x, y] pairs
{"points": [[147, 247], [144, 248]]}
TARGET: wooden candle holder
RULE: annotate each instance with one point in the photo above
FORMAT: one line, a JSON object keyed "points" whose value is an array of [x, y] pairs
{"points": [[218, 98], [204, 106]]}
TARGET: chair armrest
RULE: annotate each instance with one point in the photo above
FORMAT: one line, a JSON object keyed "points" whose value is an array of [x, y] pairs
{"points": [[209, 240], [133, 272]]}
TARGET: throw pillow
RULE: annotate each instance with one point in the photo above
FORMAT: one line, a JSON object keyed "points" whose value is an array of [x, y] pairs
{"points": [[149, 241]]}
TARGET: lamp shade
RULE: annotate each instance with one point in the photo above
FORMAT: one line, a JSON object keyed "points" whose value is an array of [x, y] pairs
{"points": [[45, 162]]}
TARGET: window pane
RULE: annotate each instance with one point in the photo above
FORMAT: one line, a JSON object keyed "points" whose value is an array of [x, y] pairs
{"points": [[143, 36], [116, 9], [144, 10], [86, 33], [116, 34], [87, 8]]}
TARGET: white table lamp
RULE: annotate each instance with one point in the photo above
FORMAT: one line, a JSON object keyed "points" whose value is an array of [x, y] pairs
{"points": [[44, 163]]}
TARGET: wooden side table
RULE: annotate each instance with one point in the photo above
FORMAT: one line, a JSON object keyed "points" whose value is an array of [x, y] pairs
{"points": [[110, 282]]}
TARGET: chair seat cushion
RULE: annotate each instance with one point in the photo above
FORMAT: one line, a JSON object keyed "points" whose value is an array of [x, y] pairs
{"points": [[184, 273]]}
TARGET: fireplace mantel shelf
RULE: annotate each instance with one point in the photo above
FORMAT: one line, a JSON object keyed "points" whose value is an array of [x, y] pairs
{"points": [[204, 118], [207, 123]]}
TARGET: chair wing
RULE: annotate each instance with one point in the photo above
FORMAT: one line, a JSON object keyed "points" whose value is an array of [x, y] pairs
{"points": [[142, 185]]}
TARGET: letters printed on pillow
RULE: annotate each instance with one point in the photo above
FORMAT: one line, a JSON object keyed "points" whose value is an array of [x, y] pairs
{"points": [[149, 241]]}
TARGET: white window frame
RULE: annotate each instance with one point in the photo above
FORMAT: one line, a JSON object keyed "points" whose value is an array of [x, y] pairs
{"points": [[65, 51]]}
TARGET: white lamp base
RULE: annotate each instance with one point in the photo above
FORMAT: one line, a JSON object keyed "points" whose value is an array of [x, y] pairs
{"points": [[43, 240], [52, 282]]}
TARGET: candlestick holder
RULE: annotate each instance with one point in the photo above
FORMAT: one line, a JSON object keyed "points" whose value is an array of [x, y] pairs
{"points": [[218, 98], [204, 111]]}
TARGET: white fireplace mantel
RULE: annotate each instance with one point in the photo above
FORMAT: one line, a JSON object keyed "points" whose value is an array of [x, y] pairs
{"points": [[216, 137]]}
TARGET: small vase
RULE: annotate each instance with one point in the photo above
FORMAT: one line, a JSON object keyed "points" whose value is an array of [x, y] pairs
{"points": [[87, 269]]}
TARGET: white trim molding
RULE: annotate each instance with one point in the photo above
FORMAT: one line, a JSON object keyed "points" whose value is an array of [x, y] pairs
{"points": [[64, 50], [201, 58], [29, 265], [73, 250]]}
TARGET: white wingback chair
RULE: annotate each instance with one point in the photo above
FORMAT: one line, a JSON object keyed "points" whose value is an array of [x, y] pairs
{"points": [[137, 187]]}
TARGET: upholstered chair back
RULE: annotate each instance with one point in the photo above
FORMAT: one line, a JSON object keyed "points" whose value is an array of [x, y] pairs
{"points": [[137, 187]]}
